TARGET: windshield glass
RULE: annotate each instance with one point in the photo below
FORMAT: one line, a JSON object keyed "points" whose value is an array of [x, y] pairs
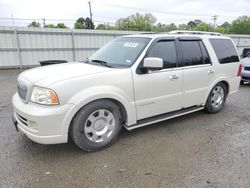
{"points": [[121, 51]]}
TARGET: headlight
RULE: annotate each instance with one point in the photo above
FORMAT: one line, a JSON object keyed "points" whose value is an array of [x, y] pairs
{"points": [[44, 96]]}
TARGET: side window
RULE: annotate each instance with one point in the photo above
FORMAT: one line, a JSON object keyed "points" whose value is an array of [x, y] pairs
{"points": [[206, 59], [224, 50], [192, 54], [165, 50]]}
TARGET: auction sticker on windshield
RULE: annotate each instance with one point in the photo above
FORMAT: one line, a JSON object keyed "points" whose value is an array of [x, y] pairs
{"points": [[130, 44]]}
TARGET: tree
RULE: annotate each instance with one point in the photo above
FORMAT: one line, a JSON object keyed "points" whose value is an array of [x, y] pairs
{"points": [[142, 22], [172, 27], [203, 26], [191, 25], [241, 25], [82, 23], [105, 27], [220, 30], [226, 27], [136, 22], [183, 27], [34, 24], [61, 25], [50, 26], [122, 24]]}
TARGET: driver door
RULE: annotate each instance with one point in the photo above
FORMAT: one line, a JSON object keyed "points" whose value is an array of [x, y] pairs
{"points": [[159, 91]]}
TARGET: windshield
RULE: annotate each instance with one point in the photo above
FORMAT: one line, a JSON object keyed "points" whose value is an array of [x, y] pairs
{"points": [[121, 51]]}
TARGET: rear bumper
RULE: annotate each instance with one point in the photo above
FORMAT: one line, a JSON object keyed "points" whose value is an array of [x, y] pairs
{"points": [[42, 124]]}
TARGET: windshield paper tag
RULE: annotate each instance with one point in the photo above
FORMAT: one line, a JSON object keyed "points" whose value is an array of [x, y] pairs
{"points": [[130, 44]]}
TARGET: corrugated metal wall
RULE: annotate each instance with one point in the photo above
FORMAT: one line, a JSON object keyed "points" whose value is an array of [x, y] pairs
{"points": [[22, 46]]}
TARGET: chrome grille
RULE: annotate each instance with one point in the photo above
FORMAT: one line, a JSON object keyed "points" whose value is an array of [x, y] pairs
{"points": [[22, 90]]}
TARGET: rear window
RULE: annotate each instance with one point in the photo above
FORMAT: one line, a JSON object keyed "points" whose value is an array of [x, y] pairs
{"points": [[224, 50]]}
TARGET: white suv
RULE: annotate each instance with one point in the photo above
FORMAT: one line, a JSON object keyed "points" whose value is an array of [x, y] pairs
{"points": [[132, 81]]}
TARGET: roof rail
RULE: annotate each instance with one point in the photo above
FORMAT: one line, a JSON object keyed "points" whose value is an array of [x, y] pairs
{"points": [[194, 32]]}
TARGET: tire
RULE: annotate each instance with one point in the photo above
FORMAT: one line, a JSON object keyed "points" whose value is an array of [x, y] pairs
{"points": [[241, 82], [216, 99], [96, 125]]}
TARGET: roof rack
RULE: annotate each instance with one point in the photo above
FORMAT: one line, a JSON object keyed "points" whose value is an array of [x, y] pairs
{"points": [[194, 32]]}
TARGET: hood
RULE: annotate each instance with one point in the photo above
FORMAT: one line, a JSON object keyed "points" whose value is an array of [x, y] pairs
{"points": [[47, 75]]}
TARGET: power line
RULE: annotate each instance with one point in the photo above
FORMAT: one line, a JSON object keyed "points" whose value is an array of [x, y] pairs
{"points": [[160, 11]]}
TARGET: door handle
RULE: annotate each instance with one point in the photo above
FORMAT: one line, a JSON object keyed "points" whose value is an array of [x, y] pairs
{"points": [[210, 71], [174, 77]]}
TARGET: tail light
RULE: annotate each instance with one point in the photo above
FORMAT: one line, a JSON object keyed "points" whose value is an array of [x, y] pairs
{"points": [[239, 70]]}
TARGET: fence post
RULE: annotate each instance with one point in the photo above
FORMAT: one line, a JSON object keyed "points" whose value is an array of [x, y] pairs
{"points": [[18, 49], [73, 45]]}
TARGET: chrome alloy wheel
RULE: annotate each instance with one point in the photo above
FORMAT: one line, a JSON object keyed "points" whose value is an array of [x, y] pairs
{"points": [[99, 125], [217, 97]]}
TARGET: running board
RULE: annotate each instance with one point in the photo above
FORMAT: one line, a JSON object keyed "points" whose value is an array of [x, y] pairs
{"points": [[163, 117]]}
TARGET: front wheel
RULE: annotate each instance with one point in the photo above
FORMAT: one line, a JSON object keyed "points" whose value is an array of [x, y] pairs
{"points": [[96, 125], [216, 98]]}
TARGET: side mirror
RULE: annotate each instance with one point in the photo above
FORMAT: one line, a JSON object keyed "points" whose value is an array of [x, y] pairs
{"points": [[153, 63]]}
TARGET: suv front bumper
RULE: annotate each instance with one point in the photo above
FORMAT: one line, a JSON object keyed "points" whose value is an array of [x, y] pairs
{"points": [[40, 123]]}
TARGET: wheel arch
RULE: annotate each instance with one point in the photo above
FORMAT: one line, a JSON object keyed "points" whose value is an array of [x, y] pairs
{"points": [[224, 81], [115, 101]]}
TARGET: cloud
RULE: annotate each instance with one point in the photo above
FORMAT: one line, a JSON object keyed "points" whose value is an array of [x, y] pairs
{"points": [[71, 10]]}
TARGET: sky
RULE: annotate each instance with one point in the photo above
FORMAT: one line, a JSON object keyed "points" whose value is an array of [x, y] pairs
{"points": [[166, 11]]}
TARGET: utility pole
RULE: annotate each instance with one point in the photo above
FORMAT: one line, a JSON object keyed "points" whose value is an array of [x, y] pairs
{"points": [[44, 23], [90, 15], [12, 18], [215, 17]]}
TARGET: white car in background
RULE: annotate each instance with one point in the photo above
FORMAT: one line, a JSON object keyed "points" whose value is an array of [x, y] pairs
{"points": [[132, 81]]}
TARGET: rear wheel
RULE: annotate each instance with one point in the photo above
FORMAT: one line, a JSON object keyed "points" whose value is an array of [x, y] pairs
{"points": [[96, 125], [216, 98]]}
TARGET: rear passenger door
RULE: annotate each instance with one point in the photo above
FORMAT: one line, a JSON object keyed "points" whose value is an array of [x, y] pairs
{"points": [[198, 71]]}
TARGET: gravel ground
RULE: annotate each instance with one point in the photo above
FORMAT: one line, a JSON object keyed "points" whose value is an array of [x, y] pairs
{"points": [[196, 150]]}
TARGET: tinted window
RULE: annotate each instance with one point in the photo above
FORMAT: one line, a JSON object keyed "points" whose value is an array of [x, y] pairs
{"points": [[191, 53], [165, 50], [206, 59], [225, 50]]}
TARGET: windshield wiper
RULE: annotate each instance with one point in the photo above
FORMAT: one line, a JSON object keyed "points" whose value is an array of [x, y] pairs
{"points": [[101, 62]]}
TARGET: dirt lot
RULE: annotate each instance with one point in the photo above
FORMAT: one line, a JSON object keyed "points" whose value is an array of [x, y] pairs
{"points": [[197, 150]]}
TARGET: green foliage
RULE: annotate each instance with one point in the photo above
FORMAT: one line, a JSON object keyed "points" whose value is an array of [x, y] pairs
{"points": [[50, 26], [147, 22], [61, 25], [203, 26], [136, 22], [34, 24], [221, 30], [105, 27], [82, 23], [191, 25], [241, 25], [183, 27]]}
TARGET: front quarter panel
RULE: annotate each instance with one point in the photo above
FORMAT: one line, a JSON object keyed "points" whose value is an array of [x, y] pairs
{"points": [[117, 85]]}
